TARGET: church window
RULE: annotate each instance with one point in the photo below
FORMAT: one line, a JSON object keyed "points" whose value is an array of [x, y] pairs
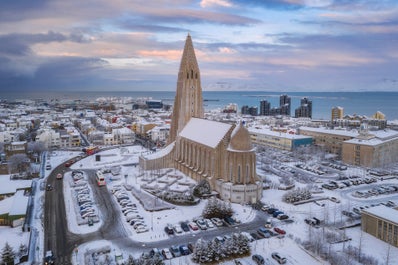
{"points": [[231, 175], [247, 174], [196, 76], [239, 180], [187, 75], [191, 74]]}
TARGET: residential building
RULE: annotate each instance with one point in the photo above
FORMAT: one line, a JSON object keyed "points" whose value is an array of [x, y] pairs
{"points": [[371, 148], [330, 140], [265, 108], [280, 140], [381, 222], [305, 109], [337, 113]]}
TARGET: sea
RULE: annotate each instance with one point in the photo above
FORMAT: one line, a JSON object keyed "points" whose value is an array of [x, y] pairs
{"points": [[360, 103]]}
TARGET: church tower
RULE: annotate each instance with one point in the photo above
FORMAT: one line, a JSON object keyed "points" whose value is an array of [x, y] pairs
{"points": [[188, 101]]}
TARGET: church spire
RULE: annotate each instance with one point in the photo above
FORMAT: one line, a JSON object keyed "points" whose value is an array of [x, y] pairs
{"points": [[188, 100]]}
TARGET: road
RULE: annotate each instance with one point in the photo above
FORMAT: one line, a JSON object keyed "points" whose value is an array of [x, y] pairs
{"points": [[62, 242]]}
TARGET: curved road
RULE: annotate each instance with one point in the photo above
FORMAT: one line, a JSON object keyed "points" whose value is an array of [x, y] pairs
{"points": [[62, 242]]}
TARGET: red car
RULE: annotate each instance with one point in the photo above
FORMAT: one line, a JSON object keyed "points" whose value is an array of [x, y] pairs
{"points": [[279, 231], [68, 164]]}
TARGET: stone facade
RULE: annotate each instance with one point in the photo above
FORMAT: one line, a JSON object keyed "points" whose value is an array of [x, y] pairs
{"points": [[202, 149]]}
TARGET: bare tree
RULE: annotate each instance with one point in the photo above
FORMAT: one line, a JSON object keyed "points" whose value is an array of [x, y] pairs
{"points": [[18, 163], [36, 148]]}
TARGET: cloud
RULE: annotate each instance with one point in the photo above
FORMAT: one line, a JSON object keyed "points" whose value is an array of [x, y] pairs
{"points": [[210, 3], [20, 44], [165, 54]]}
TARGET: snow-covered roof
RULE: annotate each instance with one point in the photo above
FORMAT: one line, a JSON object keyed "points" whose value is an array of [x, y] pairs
{"points": [[161, 153], [265, 131], [10, 186], [5, 205], [380, 137], [205, 132], [331, 131], [19, 204], [384, 212]]}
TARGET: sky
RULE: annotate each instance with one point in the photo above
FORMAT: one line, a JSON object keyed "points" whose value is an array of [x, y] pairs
{"points": [[264, 45]]}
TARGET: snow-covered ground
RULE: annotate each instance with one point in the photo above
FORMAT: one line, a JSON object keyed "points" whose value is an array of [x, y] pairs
{"points": [[127, 157]]}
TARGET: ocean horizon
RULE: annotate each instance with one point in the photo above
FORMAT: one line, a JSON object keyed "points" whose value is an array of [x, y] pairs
{"points": [[360, 103]]}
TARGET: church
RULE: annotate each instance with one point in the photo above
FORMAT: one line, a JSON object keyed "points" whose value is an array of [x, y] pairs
{"points": [[217, 152]]}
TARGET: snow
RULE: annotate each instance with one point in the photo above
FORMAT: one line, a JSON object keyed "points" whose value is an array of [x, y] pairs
{"points": [[19, 204], [131, 175], [352, 133], [384, 212], [205, 132], [5, 205], [277, 134], [9, 186]]}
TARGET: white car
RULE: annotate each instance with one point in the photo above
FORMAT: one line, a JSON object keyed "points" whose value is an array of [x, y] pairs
{"points": [[142, 230], [166, 253], [217, 221], [177, 229], [209, 223]]}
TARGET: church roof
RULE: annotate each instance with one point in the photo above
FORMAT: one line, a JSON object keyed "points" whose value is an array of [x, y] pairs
{"points": [[206, 132], [188, 55], [240, 139]]}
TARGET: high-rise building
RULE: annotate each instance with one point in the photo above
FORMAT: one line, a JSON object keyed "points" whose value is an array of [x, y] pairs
{"points": [[220, 154], [305, 109], [284, 105], [337, 113], [265, 107], [245, 110], [253, 111]]}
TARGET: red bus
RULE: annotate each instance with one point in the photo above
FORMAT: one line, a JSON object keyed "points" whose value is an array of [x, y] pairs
{"points": [[92, 150]]}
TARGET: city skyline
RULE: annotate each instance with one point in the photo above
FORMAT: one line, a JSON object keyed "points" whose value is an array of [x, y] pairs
{"points": [[241, 45]]}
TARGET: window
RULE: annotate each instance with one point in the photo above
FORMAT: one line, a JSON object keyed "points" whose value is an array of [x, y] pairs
{"points": [[239, 180]]}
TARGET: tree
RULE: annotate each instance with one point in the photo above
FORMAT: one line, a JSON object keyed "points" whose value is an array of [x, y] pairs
{"points": [[202, 188], [23, 250], [18, 163], [217, 208], [7, 254], [36, 147]]}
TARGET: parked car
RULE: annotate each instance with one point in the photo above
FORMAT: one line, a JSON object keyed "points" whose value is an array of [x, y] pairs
{"points": [[193, 226], [209, 223], [155, 252], [177, 229], [169, 230], [279, 231], [229, 220], [202, 224], [278, 257], [258, 259], [166, 253], [282, 217], [217, 221], [184, 226], [264, 232], [184, 250], [175, 251]]}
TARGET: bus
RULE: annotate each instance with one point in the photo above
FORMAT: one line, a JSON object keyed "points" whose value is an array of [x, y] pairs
{"points": [[99, 177], [92, 150]]}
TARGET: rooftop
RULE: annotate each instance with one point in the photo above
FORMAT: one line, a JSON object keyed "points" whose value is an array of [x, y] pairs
{"points": [[384, 212]]}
